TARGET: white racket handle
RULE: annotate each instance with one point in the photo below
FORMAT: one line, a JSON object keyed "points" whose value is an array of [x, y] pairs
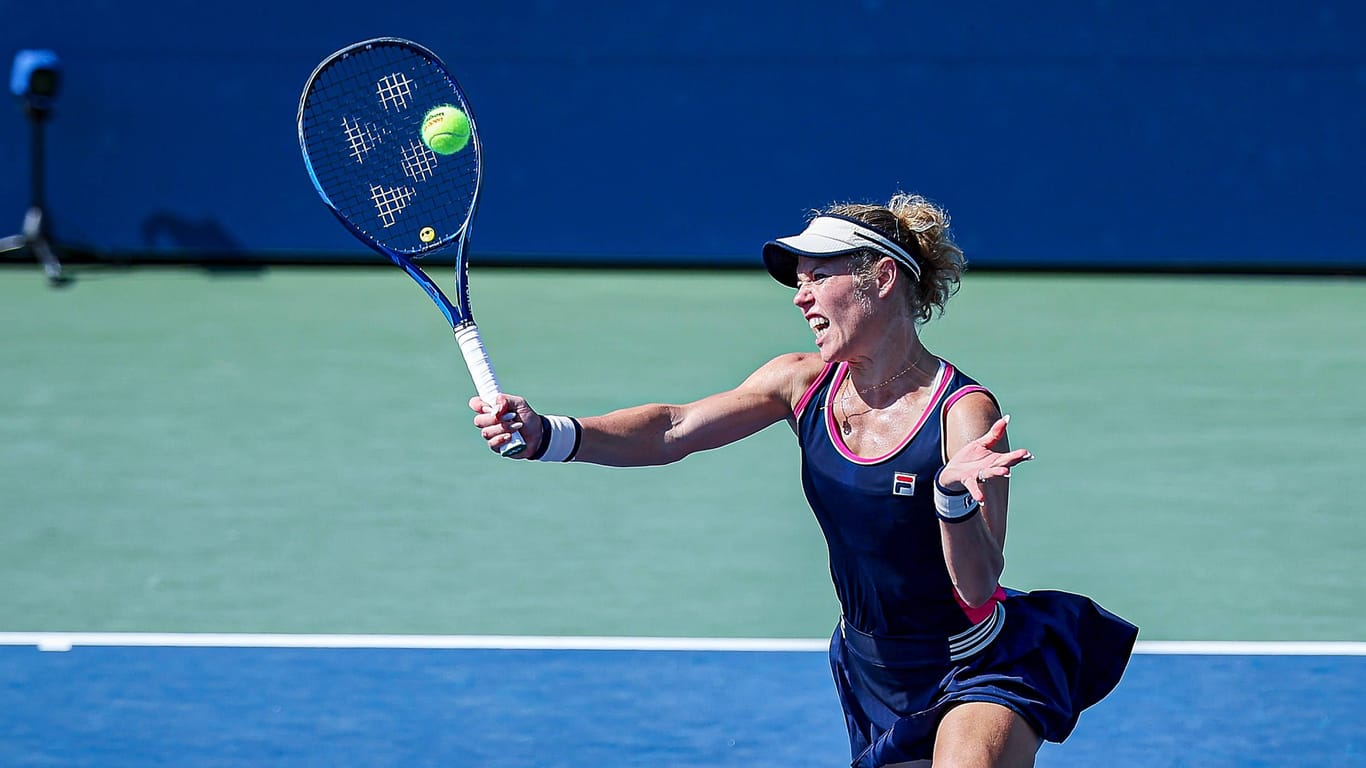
{"points": [[485, 381]]}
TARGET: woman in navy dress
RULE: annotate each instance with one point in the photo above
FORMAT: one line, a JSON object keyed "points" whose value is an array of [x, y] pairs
{"points": [[906, 465]]}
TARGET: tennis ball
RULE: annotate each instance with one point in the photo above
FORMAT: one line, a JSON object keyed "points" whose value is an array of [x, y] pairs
{"points": [[446, 130]]}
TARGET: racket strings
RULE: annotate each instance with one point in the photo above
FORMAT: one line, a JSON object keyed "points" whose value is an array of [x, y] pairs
{"points": [[360, 138], [390, 202], [419, 162], [393, 91]]}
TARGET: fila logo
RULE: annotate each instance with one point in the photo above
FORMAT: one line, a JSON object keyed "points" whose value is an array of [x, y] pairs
{"points": [[903, 484]]}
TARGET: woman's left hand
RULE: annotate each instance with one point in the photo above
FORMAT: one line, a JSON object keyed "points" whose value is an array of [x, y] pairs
{"points": [[978, 463]]}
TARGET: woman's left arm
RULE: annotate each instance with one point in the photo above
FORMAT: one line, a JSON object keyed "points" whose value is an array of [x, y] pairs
{"points": [[978, 471]]}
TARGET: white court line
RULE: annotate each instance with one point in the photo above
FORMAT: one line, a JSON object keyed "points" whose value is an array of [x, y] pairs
{"points": [[1251, 648], [65, 641]]}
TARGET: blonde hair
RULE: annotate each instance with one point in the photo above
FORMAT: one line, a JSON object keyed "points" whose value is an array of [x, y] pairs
{"points": [[922, 228]]}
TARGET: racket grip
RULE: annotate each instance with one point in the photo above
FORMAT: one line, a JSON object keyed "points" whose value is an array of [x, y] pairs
{"points": [[485, 381]]}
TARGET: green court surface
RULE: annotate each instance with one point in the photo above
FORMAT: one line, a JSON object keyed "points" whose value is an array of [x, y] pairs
{"points": [[290, 451]]}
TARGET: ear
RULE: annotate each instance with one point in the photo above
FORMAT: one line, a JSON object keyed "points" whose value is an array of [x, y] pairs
{"points": [[887, 276]]}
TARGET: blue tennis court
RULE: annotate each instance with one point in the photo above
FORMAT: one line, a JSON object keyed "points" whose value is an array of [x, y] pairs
{"points": [[613, 705]]}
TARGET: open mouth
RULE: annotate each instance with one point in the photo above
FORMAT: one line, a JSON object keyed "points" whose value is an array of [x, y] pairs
{"points": [[819, 325]]}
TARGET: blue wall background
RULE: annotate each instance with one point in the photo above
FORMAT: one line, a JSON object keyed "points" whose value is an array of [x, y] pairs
{"points": [[1168, 134]]}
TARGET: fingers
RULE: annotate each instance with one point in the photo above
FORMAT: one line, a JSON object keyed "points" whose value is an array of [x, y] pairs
{"points": [[501, 420], [491, 415], [995, 432], [501, 429], [991, 473], [503, 405], [999, 469], [978, 483], [994, 435], [1017, 456]]}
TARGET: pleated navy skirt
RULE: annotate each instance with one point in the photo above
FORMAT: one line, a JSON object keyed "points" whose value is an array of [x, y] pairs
{"points": [[1055, 654]]}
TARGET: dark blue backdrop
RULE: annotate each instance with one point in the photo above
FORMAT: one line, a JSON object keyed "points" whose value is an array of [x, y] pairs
{"points": [[1164, 133]]}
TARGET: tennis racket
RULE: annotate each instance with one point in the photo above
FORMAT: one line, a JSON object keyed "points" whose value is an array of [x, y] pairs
{"points": [[360, 124]]}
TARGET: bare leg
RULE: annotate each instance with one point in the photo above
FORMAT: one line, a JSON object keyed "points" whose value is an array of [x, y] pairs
{"points": [[979, 734]]}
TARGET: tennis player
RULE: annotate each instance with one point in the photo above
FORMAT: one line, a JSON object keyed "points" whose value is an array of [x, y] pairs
{"points": [[906, 465]]}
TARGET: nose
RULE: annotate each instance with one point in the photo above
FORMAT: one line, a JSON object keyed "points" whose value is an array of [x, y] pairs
{"points": [[803, 296]]}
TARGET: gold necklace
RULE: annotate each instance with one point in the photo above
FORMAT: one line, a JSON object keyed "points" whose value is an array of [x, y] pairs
{"points": [[845, 424]]}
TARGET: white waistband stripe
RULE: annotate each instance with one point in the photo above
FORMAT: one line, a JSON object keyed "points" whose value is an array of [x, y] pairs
{"points": [[979, 636]]}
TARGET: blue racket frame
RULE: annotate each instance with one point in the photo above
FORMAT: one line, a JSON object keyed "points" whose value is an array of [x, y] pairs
{"points": [[360, 119]]}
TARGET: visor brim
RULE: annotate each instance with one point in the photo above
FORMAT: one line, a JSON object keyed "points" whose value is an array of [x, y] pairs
{"points": [[780, 256]]}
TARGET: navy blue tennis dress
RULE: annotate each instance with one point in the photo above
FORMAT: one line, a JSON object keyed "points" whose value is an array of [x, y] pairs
{"points": [[907, 648]]}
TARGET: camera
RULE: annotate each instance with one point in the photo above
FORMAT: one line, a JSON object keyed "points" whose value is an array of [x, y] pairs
{"points": [[35, 79]]}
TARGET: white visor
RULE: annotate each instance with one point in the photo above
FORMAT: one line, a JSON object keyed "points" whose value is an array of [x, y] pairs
{"points": [[825, 237]]}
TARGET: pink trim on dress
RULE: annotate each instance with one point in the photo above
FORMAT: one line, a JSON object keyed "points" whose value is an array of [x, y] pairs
{"points": [[810, 391], [957, 395], [942, 379]]}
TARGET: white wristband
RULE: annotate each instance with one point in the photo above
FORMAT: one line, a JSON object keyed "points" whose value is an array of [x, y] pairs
{"points": [[562, 440], [953, 507]]}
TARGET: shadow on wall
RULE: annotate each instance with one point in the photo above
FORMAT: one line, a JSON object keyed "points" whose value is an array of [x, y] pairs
{"points": [[206, 237]]}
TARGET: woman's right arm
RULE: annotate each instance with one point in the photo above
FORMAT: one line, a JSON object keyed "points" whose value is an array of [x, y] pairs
{"points": [[659, 433]]}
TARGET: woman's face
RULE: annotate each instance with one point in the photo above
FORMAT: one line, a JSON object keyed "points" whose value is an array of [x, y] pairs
{"points": [[833, 305]]}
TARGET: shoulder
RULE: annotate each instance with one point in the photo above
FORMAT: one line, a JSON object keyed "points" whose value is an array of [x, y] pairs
{"points": [[806, 364], [971, 405], [969, 410], [787, 376]]}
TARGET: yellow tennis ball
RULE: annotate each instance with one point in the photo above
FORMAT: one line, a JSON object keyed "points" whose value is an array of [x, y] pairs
{"points": [[446, 130]]}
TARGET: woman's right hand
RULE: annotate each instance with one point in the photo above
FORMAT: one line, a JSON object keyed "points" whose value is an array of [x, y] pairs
{"points": [[499, 421]]}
